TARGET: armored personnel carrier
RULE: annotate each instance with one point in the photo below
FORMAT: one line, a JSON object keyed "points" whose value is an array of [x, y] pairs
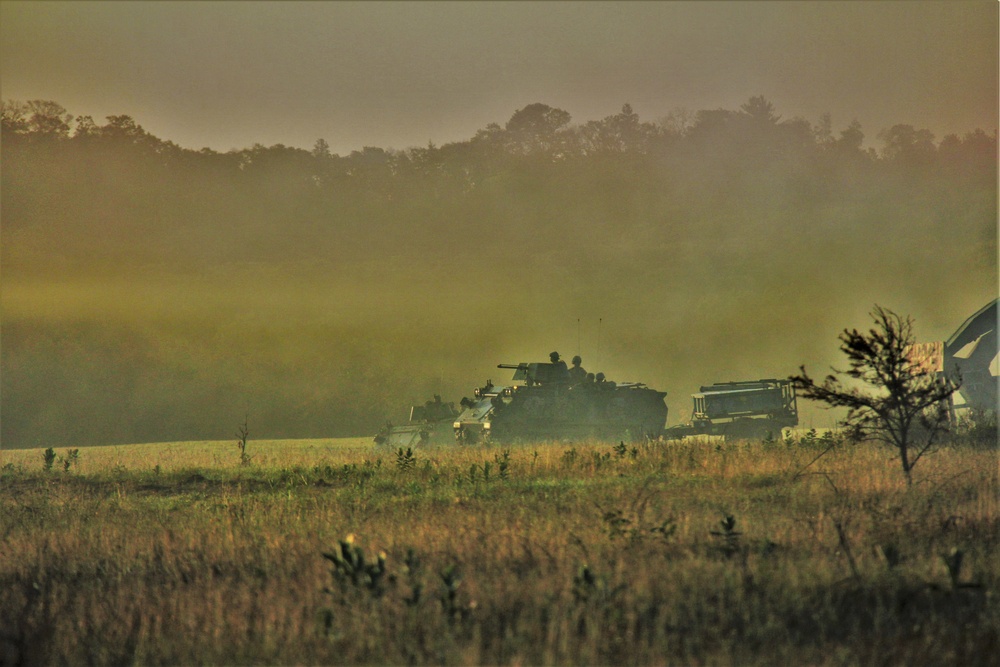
{"points": [[542, 403], [429, 424]]}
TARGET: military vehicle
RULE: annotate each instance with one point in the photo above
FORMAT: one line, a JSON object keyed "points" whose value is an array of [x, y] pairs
{"points": [[541, 403], [429, 424], [738, 410]]}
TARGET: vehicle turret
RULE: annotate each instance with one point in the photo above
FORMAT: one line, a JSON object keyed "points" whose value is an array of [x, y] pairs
{"points": [[540, 373]]}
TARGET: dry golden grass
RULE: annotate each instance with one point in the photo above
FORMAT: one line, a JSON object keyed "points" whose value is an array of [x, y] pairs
{"points": [[216, 454], [577, 554]]}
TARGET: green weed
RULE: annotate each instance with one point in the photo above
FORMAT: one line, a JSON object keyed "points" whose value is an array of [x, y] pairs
{"points": [[72, 456], [729, 536], [405, 459], [48, 459], [503, 464]]}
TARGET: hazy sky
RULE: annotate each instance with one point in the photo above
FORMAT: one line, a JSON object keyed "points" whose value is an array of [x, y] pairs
{"points": [[400, 74]]}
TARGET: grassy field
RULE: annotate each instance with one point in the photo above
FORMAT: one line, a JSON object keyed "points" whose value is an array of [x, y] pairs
{"points": [[335, 552]]}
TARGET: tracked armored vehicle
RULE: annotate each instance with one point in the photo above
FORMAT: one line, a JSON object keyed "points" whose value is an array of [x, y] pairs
{"points": [[429, 424], [541, 403]]}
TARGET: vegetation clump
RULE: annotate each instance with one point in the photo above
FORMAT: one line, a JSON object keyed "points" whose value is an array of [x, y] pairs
{"points": [[900, 403]]}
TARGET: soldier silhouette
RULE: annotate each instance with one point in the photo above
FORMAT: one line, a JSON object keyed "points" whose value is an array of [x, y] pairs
{"points": [[577, 374], [560, 372]]}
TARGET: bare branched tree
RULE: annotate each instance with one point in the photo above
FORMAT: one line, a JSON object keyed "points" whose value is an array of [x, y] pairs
{"points": [[901, 402], [243, 433]]}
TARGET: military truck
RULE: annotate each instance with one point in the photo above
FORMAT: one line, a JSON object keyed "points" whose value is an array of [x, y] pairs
{"points": [[737, 410], [541, 403]]}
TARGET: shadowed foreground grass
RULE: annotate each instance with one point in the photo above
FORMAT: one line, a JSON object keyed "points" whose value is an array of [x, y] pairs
{"points": [[685, 552]]}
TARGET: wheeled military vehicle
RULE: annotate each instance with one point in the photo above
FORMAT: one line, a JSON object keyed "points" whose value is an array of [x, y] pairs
{"points": [[542, 403], [737, 410]]}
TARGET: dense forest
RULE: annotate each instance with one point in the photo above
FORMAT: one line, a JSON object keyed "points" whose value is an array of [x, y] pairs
{"points": [[153, 293]]}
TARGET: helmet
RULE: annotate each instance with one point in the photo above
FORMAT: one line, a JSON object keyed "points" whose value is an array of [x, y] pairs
{"points": [[577, 360], [554, 356]]}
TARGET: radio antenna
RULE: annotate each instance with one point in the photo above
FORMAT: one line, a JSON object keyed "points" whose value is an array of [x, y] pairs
{"points": [[578, 335], [600, 321]]}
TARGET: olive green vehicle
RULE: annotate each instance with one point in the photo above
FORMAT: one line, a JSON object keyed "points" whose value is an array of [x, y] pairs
{"points": [[542, 403], [429, 424], [741, 410]]}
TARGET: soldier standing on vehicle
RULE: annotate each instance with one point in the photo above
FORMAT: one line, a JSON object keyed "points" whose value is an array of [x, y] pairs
{"points": [[560, 372], [577, 374]]}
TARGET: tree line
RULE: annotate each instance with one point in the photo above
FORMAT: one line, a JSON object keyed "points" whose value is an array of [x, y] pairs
{"points": [[541, 131], [67, 175]]}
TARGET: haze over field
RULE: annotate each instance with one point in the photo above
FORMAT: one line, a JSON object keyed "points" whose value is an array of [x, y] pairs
{"points": [[399, 74], [653, 185]]}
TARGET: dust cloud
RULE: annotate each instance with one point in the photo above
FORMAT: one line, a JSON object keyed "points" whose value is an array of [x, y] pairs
{"points": [[151, 293]]}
